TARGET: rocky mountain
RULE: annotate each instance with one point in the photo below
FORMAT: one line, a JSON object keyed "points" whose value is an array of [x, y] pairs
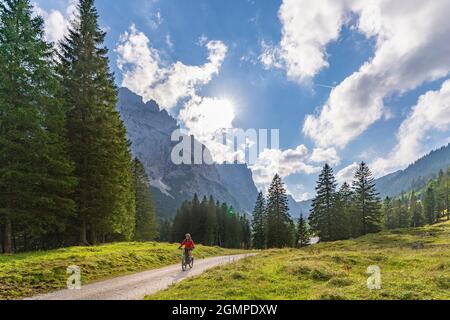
{"points": [[149, 129], [416, 175], [238, 179], [299, 207]]}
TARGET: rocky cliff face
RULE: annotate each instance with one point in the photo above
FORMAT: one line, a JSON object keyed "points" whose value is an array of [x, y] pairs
{"points": [[149, 129]]}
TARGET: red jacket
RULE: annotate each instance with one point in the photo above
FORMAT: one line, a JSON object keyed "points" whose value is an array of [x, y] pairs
{"points": [[188, 244]]}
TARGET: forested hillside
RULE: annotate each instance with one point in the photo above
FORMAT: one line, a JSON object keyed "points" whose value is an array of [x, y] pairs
{"points": [[417, 175]]}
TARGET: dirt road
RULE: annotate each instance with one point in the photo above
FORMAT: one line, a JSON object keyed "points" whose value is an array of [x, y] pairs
{"points": [[137, 286]]}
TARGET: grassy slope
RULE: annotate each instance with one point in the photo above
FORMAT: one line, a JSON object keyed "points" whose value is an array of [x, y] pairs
{"points": [[28, 274], [335, 270]]}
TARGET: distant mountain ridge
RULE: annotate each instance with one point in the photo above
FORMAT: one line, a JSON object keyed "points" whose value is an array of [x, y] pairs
{"points": [[416, 175]]}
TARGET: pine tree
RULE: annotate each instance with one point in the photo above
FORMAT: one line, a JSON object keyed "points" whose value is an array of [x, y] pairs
{"points": [[222, 217], [303, 235], [341, 221], [246, 232], [447, 193], [259, 223], [146, 222], [165, 230], [211, 223], [367, 203], [96, 134], [402, 212], [389, 217], [416, 211], [182, 222], [279, 222], [324, 205], [429, 205], [35, 174]]}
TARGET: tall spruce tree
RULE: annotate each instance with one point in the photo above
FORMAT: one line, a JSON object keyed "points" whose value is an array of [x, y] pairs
{"points": [[259, 223], [341, 225], [403, 213], [429, 205], [96, 134], [246, 232], [303, 235], [211, 223], [367, 203], [447, 193], [323, 207], [279, 222], [417, 218], [147, 228], [390, 220], [35, 173]]}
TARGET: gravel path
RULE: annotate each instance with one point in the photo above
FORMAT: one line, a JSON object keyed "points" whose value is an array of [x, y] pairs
{"points": [[137, 286]]}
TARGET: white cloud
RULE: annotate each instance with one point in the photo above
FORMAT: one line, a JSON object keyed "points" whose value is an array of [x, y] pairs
{"points": [[270, 56], [347, 174], [432, 112], [308, 26], [285, 163], [299, 192], [146, 74], [56, 23], [328, 155], [412, 48], [169, 41]]}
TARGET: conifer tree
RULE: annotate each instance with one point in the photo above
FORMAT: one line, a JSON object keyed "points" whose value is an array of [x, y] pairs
{"points": [[279, 222], [403, 213], [323, 206], [211, 223], [389, 218], [429, 205], [259, 223], [146, 222], [303, 235], [96, 134], [366, 201], [35, 174], [165, 230], [447, 193], [246, 232], [341, 222], [416, 210]]}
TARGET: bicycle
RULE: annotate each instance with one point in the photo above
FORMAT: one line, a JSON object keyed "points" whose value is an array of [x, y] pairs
{"points": [[187, 260]]}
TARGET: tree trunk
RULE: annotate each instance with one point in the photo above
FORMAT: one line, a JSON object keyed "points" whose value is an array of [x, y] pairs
{"points": [[93, 235], [7, 236], [83, 233]]}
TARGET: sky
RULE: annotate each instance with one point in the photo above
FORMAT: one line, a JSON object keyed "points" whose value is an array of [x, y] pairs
{"points": [[344, 81]]}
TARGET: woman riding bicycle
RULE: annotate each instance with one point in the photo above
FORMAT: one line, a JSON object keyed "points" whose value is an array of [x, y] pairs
{"points": [[188, 244]]}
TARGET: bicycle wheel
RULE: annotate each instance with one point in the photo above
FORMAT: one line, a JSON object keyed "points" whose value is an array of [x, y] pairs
{"points": [[183, 264]]}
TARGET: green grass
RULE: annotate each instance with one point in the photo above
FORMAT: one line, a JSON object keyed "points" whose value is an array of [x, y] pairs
{"points": [[334, 271], [27, 274]]}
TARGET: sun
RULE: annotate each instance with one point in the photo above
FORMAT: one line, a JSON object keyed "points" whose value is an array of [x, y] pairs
{"points": [[217, 114]]}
